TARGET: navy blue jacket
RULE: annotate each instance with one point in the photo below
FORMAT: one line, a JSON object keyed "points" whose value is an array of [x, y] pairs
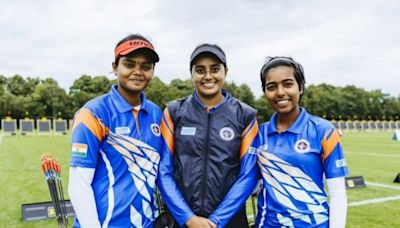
{"points": [[207, 167]]}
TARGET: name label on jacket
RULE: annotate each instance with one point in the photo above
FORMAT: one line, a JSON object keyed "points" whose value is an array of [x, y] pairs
{"points": [[188, 131]]}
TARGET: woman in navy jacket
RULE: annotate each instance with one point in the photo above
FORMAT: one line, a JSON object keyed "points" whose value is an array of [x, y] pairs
{"points": [[207, 169]]}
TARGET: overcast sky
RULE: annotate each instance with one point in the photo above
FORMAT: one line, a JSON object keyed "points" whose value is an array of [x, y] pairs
{"points": [[337, 42]]}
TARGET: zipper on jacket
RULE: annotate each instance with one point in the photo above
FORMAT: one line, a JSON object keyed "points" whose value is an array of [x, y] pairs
{"points": [[204, 177]]}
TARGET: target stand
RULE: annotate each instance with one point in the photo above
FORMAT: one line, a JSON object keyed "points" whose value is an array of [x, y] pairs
{"points": [[60, 127], [9, 126], [43, 126], [26, 127]]}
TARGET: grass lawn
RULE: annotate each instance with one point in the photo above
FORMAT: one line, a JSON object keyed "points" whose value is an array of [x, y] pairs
{"points": [[376, 157], [22, 180], [373, 155]]}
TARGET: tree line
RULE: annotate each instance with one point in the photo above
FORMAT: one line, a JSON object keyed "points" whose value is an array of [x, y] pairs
{"points": [[22, 97]]}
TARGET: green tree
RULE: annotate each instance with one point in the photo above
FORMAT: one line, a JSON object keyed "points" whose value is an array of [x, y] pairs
{"points": [[44, 97], [264, 109], [3, 84], [16, 94], [321, 100], [353, 102], [182, 88], [51, 97], [86, 88], [232, 88], [15, 85], [160, 93], [391, 107], [12, 104], [246, 95], [375, 101]]}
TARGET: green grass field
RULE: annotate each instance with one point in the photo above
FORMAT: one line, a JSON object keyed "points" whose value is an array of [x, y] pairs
{"points": [[373, 155]]}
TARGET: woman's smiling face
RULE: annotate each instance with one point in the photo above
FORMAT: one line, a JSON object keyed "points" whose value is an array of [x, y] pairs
{"points": [[282, 90]]}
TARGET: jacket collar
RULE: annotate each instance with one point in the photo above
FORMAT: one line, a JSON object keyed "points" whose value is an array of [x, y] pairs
{"points": [[224, 93]]}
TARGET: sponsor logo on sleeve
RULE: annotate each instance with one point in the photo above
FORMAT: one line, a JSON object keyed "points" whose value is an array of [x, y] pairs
{"points": [[341, 163], [226, 133], [79, 149], [188, 131], [155, 129]]}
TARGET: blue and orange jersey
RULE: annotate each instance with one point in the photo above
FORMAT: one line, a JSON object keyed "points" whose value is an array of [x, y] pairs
{"points": [[293, 165], [122, 144], [207, 166]]}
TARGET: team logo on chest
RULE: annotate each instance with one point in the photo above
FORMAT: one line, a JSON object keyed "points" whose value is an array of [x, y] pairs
{"points": [[226, 133], [302, 146], [155, 129]]}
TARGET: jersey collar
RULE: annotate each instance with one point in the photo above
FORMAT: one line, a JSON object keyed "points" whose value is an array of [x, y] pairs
{"points": [[121, 104], [296, 128]]}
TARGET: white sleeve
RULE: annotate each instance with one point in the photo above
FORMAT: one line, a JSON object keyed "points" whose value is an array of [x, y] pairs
{"points": [[82, 197], [338, 202]]}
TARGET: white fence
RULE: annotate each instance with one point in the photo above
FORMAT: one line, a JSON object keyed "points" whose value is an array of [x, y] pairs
{"points": [[364, 125]]}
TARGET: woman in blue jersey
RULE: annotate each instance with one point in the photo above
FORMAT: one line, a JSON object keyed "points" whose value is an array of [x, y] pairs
{"points": [[115, 146], [296, 150], [207, 170]]}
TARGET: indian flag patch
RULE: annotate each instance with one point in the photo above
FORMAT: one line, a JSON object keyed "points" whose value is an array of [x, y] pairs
{"points": [[79, 149]]}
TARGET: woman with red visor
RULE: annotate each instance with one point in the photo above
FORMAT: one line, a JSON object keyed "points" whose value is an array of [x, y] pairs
{"points": [[115, 146]]}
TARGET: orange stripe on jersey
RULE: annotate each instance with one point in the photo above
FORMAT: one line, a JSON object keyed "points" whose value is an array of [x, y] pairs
{"points": [[328, 145], [248, 127], [167, 117], [167, 131], [248, 138], [85, 117]]}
